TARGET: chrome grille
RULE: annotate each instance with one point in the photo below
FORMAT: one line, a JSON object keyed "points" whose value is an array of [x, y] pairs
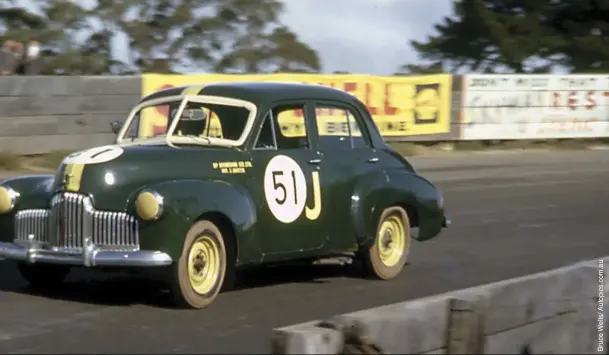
{"points": [[32, 222], [111, 229], [69, 220], [72, 220]]}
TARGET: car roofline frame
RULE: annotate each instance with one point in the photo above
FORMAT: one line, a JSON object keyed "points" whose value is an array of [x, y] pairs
{"points": [[171, 139]]}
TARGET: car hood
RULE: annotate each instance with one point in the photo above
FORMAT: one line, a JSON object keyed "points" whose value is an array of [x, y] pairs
{"points": [[112, 175]]}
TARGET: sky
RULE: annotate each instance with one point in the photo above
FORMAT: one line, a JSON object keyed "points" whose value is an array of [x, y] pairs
{"points": [[364, 36], [358, 36]]}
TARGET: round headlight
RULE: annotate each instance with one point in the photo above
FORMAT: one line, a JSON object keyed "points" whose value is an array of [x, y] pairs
{"points": [[149, 205], [8, 199], [440, 200]]}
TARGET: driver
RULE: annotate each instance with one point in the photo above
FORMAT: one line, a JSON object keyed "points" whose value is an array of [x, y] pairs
{"points": [[192, 122]]}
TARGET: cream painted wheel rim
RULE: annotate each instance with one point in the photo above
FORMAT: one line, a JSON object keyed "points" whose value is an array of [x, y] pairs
{"points": [[392, 241], [204, 265]]}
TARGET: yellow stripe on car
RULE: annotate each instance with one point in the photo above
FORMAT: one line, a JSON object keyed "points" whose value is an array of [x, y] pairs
{"points": [[192, 90], [73, 176]]}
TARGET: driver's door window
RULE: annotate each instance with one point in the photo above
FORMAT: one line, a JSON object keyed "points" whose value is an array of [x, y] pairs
{"points": [[266, 136]]}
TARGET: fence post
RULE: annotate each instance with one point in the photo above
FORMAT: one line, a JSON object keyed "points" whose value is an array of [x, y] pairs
{"points": [[465, 334]]}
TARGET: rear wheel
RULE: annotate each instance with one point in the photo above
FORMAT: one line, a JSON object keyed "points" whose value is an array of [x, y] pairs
{"points": [[197, 277], [43, 275], [386, 258]]}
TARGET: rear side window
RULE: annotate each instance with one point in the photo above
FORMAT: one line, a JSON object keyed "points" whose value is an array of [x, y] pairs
{"points": [[338, 128]]}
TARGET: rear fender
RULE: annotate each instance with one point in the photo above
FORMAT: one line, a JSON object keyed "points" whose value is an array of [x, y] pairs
{"points": [[185, 201], [390, 188]]}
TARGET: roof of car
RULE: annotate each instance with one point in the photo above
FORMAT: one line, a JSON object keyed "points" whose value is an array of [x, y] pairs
{"points": [[257, 92]]}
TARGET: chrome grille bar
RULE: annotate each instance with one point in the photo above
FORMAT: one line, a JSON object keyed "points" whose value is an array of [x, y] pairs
{"points": [[112, 229], [72, 220], [32, 222], [68, 215]]}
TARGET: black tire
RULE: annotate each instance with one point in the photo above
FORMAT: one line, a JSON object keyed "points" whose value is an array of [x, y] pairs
{"points": [[43, 275], [373, 262], [197, 277]]}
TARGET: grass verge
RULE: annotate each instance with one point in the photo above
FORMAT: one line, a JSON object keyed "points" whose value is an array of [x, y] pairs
{"points": [[422, 148], [42, 162], [47, 162]]}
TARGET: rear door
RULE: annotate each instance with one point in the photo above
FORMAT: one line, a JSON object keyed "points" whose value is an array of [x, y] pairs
{"points": [[348, 157], [288, 185]]}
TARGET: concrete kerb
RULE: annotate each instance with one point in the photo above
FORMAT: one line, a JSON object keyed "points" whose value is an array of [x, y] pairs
{"points": [[515, 312]]}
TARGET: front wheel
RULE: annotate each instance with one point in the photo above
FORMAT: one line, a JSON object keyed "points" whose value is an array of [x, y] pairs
{"points": [[197, 277], [43, 275], [386, 258]]}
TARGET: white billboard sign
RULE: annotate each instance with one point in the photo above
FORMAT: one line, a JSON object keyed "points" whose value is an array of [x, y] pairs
{"points": [[516, 106]]}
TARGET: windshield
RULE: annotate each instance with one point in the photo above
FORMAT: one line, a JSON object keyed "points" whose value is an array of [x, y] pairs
{"points": [[198, 119]]}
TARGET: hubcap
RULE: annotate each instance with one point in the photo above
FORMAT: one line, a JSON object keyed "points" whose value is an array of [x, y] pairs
{"points": [[204, 265], [392, 241]]}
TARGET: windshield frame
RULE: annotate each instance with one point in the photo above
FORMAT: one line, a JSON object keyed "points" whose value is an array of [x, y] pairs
{"points": [[170, 139]]}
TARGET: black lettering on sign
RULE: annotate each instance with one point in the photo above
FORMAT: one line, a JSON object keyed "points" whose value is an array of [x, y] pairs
{"points": [[532, 82], [426, 104], [503, 108], [488, 82], [578, 82]]}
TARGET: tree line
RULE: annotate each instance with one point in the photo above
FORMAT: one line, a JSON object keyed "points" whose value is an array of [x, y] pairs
{"points": [[244, 36], [519, 36]]}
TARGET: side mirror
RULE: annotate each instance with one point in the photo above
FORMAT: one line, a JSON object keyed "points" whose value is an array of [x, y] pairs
{"points": [[116, 126]]}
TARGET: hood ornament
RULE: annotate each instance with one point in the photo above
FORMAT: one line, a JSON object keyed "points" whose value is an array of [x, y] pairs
{"points": [[65, 181]]}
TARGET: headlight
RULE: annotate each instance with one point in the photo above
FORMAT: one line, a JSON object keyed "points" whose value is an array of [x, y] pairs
{"points": [[149, 205], [8, 199], [440, 200]]}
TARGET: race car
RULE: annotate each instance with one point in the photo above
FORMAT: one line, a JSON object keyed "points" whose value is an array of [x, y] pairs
{"points": [[205, 180]]}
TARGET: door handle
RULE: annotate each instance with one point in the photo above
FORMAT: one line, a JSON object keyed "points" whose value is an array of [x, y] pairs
{"points": [[315, 161], [373, 160]]}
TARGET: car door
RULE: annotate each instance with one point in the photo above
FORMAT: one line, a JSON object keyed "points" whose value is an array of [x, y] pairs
{"points": [[288, 181], [348, 158]]}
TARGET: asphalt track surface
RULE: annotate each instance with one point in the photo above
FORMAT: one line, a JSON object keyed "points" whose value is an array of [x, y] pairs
{"points": [[513, 214]]}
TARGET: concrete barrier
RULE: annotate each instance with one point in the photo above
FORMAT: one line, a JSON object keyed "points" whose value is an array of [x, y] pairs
{"points": [[40, 114], [557, 311]]}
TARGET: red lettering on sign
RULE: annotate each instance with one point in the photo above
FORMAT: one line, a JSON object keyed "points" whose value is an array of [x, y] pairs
{"points": [[389, 110], [157, 130], [573, 100], [590, 100], [556, 101], [163, 110], [576, 125], [367, 102]]}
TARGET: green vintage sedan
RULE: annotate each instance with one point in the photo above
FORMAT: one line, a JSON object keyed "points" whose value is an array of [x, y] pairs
{"points": [[205, 180]]}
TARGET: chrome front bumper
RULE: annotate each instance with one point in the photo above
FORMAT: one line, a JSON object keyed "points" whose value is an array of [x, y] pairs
{"points": [[89, 256], [446, 223]]}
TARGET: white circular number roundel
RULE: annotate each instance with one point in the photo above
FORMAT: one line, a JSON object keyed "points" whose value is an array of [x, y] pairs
{"points": [[285, 188], [94, 155]]}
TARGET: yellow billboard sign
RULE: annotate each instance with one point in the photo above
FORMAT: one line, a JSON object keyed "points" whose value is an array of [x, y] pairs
{"points": [[399, 105]]}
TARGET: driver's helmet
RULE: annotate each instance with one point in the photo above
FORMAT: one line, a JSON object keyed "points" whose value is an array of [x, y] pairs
{"points": [[192, 122]]}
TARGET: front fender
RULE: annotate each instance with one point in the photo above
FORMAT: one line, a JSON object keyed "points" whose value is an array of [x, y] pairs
{"points": [[397, 187], [187, 200], [34, 191]]}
